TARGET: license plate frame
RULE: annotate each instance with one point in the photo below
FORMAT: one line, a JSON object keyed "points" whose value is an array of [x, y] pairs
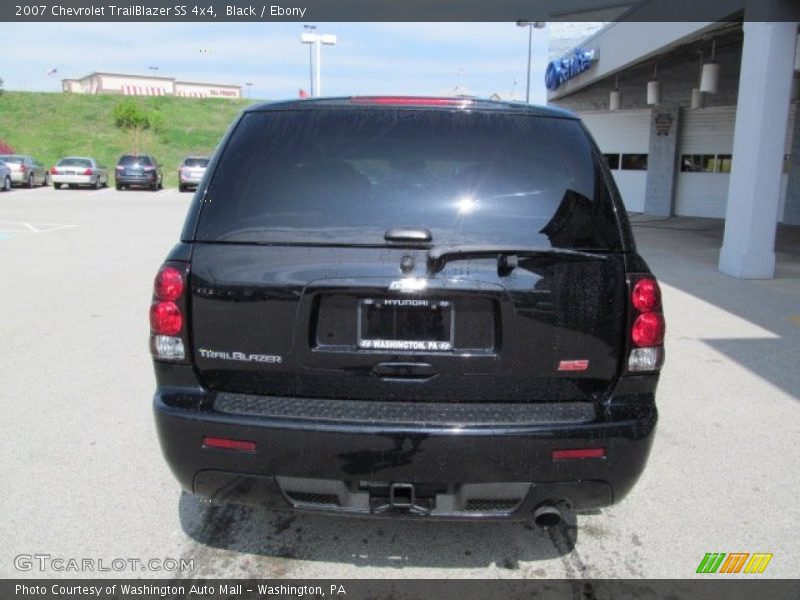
{"points": [[399, 310]]}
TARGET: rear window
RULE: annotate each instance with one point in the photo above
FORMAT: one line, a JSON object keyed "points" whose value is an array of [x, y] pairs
{"points": [[195, 162], [74, 162], [134, 160], [346, 176], [12, 160]]}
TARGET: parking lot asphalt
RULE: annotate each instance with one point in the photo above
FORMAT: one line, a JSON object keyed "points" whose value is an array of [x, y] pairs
{"points": [[84, 477]]}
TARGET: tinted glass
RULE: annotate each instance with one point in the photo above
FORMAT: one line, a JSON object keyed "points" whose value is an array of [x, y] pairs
{"points": [[196, 162], [612, 160], [134, 160], [634, 162], [74, 162], [346, 176], [12, 160]]}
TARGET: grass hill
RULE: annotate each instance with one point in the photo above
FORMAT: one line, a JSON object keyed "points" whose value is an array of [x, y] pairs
{"points": [[50, 126]]}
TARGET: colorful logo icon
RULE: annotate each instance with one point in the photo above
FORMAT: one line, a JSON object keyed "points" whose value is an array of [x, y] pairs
{"points": [[734, 562]]}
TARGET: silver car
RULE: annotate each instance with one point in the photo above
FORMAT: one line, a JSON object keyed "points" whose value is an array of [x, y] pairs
{"points": [[26, 170], [191, 172], [5, 177], [75, 171]]}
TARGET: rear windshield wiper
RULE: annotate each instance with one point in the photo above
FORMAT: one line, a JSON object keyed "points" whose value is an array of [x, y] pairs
{"points": [[507, 256]]}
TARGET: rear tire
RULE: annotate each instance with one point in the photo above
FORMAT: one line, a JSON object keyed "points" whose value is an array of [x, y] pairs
{"points": [[97, 184], [118, 186], [56, 186], [7, 183], [30, 182], [46, 179]]}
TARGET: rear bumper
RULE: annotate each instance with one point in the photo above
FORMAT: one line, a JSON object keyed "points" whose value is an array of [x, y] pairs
{"points": [[74, 179], [337, 463], [136, 179]]}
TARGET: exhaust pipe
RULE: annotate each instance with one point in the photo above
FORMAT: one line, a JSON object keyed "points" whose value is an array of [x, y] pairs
{"points": [[547, 515]]}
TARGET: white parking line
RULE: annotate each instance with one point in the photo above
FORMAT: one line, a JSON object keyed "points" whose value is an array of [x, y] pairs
{"points": [[25, 227]]}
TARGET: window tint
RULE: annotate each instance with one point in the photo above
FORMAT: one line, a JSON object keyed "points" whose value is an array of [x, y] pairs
{"points": [[12, 160], [612, 160], [75, 162], [697, 163], [196, 162], [348, 175], [724, 163], [134, 160], [634, 162]]}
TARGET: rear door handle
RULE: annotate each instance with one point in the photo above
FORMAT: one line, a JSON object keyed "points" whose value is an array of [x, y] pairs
{"points": [[404, 370]]}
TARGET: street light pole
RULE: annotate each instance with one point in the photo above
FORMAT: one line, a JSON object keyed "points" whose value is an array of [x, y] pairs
{"points": [[317, 40], [311, 29], [531, 25]]}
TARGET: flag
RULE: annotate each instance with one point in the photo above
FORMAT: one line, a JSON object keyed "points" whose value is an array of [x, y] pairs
{"points": [[303, 94]]}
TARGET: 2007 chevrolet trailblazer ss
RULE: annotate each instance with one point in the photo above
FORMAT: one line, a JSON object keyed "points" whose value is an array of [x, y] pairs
{"points": [[407, 306]]}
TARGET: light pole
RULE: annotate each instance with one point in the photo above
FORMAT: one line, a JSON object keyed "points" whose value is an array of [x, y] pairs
{"points": [[310, 29], [154, 70], [316, 39], [249, 85], [531, 25]]}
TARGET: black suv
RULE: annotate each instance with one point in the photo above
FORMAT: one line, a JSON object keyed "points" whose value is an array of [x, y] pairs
{"points": [[407, 306], [138, 170]]}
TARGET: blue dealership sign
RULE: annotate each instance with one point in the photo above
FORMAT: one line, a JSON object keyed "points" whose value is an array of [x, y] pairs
{"points": [[563, 69]]}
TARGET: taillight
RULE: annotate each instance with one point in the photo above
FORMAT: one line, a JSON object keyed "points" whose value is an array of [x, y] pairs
{"points": [[646, 324], [148, 168], [88, 172], [169, 284], [53, 171], [22, 167], [167, 331]]}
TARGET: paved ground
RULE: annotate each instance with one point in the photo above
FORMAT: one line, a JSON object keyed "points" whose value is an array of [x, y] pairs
{"points": [[83, 475]]}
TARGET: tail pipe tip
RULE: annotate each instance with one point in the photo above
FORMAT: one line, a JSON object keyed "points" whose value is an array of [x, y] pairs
{"points": [[547, 515]]}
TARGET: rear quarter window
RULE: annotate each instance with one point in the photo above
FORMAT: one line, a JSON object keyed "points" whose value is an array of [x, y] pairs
{"points": [[345, 176]]}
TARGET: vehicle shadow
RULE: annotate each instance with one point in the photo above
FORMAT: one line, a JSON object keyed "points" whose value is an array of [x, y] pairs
{"points": [[684, 254], [376, 542]]}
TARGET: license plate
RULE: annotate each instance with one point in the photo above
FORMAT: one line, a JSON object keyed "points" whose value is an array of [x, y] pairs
{"points": [[405, 324]]}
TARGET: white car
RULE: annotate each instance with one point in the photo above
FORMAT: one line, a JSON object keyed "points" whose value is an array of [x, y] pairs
{"points": [[5, 177], [76, 171]]}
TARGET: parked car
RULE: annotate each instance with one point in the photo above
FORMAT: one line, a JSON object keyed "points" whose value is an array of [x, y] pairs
{"points": [[191, 172], [404, 306], [25, 170], [5, 176], [77, 171], [139, 171]]}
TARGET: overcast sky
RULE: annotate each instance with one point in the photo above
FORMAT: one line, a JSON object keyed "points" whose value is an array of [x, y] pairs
{"points": [[370, 58]]}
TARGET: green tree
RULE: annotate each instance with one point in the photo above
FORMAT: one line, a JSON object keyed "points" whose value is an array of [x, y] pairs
{"points": [[133, 118]]}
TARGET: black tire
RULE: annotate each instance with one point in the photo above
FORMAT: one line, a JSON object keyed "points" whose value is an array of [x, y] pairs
{"points": [[118, 186], [97, 184], [31, 181], [182, 188], [73, 186], [154, 186], [7, 184], [46, 179]]}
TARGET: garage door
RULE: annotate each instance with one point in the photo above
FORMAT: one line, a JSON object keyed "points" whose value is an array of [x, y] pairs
{"points": [[624, 137], [705, 159]]}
